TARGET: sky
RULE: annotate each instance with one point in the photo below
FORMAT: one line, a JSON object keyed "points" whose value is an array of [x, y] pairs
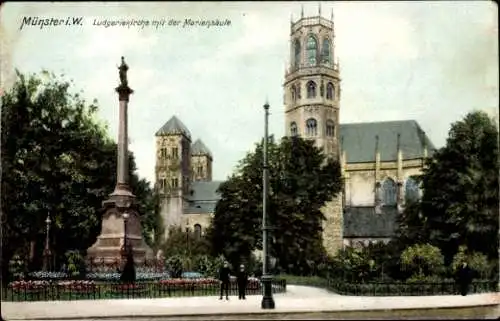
{"points": [[429, 61]]}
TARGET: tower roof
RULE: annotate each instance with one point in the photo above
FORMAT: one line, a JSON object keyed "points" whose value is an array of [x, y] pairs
{"points": [[199, 148], [173, 127]]}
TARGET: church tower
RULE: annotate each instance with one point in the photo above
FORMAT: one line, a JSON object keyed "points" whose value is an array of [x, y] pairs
{"points": [[201, 162], [172, 171], [312, 102]]}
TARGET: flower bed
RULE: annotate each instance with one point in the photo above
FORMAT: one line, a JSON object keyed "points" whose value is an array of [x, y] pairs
{"points": [[42, 275], [115, 277], [28, 286], [77, 286]]}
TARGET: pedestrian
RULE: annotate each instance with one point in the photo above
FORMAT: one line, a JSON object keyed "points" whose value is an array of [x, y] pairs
{"points": [[242, 282], [464, 278], [224, 280]]}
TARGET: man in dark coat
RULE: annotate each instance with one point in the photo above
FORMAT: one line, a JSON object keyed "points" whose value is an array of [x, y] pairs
{"points": [[464, 278], [224, 280], [242, 282]]}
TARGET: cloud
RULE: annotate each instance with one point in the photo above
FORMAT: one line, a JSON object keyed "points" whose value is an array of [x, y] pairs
{"points": [[373, 34]]}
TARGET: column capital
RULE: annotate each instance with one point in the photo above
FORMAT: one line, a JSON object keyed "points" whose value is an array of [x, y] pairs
{"points": [[124, 92]]}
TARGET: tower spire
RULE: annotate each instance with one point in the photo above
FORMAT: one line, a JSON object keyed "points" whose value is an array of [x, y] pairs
{"points": [[302, 12], [331, 15], [319, 9]]}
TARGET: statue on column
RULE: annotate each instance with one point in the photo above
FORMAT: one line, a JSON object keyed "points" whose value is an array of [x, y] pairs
{"points": [[123, 72]]}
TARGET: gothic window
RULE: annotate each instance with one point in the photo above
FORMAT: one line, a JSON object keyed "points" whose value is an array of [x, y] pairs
{"points": [[199, 170], [296, 60], [412, 190], [175, 153], [293, 129], [330, 128], [311, 127], [312, 50], [329, 91], [175, 183], [311, 89], [197, 231], [322, 89], [293, 91], [325, 52], [389, 192]]}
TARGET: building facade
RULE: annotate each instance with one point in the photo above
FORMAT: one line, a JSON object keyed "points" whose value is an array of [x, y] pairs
{"points": [[378, 159]]}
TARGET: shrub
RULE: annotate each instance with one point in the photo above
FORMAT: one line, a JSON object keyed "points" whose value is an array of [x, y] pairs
{"points": [[174, 266], [422, 259], [476, 261]]}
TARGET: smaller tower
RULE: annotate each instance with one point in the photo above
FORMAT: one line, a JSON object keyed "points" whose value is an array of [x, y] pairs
{"points": [[201, 162]]}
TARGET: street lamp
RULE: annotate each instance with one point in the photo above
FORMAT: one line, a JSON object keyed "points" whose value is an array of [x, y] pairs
{"points": [[125, 245], [46, 251], [267, 299]]}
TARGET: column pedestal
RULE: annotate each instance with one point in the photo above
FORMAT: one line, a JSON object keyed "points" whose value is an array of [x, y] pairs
{"points": [[108, 248]]}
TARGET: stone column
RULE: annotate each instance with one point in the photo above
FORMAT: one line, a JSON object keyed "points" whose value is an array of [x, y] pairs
{"points": [[109, 245]]}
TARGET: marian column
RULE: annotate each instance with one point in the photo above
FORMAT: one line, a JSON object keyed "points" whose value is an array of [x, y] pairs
{"points": [[109, 246]]}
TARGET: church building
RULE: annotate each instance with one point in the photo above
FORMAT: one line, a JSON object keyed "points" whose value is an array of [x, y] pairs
{"points": [[377, 159]]}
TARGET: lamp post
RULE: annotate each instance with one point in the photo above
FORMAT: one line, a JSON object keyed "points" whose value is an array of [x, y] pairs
{"points": [[125, 245], [46, 251], [267, 299]]}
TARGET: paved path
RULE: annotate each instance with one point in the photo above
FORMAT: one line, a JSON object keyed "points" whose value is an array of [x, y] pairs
{"points": [[296, 299]]}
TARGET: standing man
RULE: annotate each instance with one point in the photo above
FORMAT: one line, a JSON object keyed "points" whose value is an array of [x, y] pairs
{"points": [[464, 278], [242, 282], [224, 280]]}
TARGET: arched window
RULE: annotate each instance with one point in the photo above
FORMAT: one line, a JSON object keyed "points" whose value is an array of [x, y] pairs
{"points": [[389, 192], [293, 91], [329, 91], [311, 127], [296, 60], [412, 190], [312, 50], [325, 52], [330, 128], [197, 231], [311, 89], [293, 129]]}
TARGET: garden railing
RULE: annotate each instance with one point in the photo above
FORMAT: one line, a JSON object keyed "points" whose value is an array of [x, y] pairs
{"points": [[90, 290]]}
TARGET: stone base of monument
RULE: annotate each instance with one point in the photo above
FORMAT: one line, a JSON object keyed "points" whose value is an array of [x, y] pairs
{"points": [[108, 249]]}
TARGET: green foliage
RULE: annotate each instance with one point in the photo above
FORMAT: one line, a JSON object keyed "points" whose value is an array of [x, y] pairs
{"points": [[74, 262], [185, 243], [175, 265], [58, 160], [17, 267], [460, 200], [422, 260], [301, 180], [353, 264], [476, 261]]}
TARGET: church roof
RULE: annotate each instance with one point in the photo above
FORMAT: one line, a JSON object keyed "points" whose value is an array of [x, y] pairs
{"points": [[203, 197], [364, 222], [172, 127], [198, 148], [358, 140]]}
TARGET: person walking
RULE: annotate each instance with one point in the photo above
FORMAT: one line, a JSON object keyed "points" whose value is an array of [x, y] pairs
{"points": [[242, 279], [224, 280], [464, 278]]}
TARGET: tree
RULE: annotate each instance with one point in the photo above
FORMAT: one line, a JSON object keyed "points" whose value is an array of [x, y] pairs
{"points": [[57, 160], [184, 243], [460, 201], [301, 180], [460, 184]]}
